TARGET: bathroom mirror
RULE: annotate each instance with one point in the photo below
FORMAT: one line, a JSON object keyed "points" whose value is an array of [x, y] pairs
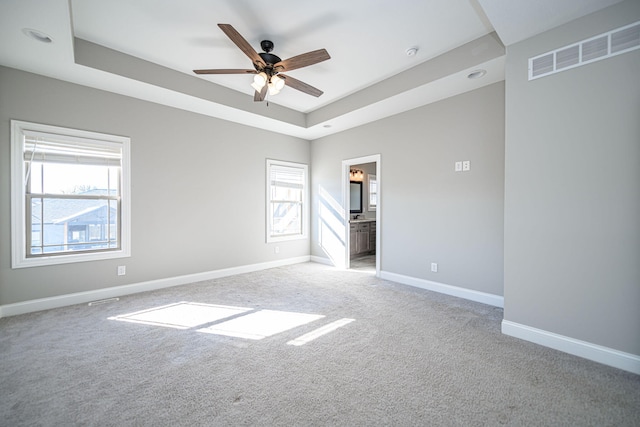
{"points": [[355, 196]]}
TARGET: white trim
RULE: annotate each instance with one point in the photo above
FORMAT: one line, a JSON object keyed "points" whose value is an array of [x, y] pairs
{"points": [[597, 353], [470, 294], [321, 260], [151, 285]]}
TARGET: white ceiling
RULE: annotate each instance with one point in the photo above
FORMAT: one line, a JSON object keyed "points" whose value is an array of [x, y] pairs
{"points": [[367, 41]]}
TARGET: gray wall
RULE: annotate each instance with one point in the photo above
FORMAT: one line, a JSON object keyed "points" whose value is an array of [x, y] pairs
{"points": [[197, 187], [429, 213], [572, 196]]}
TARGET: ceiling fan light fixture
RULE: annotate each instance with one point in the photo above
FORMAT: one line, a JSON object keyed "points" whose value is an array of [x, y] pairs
{"points": [[275, 85], [273, 90], [278, 82], [259, 80]]}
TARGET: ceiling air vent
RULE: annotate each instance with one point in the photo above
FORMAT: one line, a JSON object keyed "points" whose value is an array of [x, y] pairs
{"points": [[567, 57], [602, 46], [595, 48], [540, 66], [625, 39]]}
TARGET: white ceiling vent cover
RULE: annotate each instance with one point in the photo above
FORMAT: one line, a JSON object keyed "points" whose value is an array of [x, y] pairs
{"points": [[602, 46]]}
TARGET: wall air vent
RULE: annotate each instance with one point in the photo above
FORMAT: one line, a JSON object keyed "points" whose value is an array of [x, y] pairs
{"points": [[602, 46]]}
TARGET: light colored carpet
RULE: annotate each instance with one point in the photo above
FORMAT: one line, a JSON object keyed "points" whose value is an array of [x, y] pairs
{"points": [[410, 357]]}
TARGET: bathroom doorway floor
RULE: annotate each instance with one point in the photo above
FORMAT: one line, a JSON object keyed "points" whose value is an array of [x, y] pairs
{"points": [[364, 264]]}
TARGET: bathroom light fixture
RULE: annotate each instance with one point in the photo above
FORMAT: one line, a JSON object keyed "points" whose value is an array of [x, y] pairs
{"points": [[477, 74], [356, 175], [37, 35]]}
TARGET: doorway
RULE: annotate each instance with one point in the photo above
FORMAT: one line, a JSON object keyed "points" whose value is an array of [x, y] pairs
{"points": [[363, 226]]}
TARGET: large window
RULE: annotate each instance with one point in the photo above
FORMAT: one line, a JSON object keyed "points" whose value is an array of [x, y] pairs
{"points": [[70, 195], [287, 200]]}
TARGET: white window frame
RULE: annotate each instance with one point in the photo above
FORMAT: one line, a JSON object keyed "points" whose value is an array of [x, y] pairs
{"points": [[19, 257], [371, 177], [304, 233]]}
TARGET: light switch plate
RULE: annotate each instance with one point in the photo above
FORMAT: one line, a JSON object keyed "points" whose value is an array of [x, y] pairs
{"points": [[458, 167]]}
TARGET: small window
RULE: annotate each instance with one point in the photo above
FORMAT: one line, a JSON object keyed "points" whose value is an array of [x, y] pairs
{"points": [[70, 195], [287, 200], [373, 192]]}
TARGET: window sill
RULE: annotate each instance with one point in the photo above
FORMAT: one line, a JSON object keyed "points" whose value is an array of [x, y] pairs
{"points": [[22, 262]]}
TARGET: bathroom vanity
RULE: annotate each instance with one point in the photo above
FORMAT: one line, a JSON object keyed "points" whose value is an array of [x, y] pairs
{"points": [[362, 237]]}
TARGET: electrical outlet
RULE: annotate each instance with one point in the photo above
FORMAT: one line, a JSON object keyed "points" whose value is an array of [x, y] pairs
{"points": [[434, 267], [466, 165], [122, 270], [277, 249], [458, 167]]}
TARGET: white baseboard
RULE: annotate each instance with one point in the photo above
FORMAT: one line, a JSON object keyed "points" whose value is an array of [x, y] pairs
{"points": [[321, 260], [597, 353], [483, 297], [151, 285]]}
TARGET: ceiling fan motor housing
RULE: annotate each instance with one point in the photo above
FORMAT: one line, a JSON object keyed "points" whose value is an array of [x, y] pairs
{"points": [[268, 58]]}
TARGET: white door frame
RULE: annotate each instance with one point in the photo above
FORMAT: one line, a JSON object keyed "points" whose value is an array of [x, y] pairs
{"points": [[346, 202]]}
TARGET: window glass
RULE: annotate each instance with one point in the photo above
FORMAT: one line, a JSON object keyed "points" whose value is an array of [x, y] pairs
{"points": [[373, 192]]}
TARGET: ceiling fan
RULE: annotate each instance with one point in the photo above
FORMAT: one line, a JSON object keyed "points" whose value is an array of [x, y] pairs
{"points": [[267, 66]]}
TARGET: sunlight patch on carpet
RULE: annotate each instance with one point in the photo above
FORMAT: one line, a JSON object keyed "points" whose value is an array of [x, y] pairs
{"points": [[261, 324], [302, 340], [182, 315]]}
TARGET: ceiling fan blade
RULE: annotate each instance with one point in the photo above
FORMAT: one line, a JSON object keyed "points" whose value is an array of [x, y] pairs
{"points": [[303, 60], [242, 44], [301, 86], [222, 71], [259, 96]]}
